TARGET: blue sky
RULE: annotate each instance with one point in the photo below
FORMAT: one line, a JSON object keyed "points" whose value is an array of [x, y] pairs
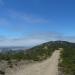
{"points": [[31, 22]]}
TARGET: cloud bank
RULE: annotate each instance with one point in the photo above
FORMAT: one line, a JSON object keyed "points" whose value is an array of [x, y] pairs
{"points": [[33, 40]]}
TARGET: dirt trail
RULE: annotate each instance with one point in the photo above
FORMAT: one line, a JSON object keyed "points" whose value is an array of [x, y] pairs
{"points": [[47, 67]]}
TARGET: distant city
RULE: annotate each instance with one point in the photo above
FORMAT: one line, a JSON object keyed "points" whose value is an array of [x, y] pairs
{"points": [[13, 48]]}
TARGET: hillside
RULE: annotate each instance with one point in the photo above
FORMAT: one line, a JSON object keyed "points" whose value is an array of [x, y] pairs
{"points": [[44, 51]]}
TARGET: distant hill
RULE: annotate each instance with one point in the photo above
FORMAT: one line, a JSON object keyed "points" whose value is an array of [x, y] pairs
{"points": [[36, 53], [43, 51]]}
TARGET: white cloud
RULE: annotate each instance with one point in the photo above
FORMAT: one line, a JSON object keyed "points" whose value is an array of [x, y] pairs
{"points": [[16, 21], [28, 18], [69, 38], [20, 42], [31, 19], [35, 39], [31, 40]]}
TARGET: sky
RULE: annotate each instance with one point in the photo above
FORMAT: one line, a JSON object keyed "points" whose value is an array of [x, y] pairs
{"points": [[32, 22]]}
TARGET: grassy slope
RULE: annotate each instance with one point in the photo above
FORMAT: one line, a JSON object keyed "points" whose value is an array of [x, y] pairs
{"points": [[36, 53], [43, 51], [68, 60]]}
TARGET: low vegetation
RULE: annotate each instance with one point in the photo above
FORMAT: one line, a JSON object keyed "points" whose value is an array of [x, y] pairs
{"points": [[36, 53], [2, 72], [43, 51], [67, 66]]}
